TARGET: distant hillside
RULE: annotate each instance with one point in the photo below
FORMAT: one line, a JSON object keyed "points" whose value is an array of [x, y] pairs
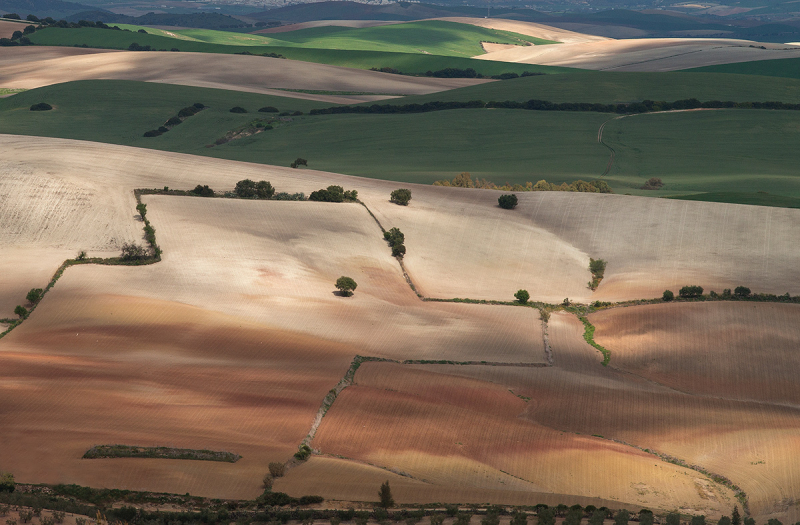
{"points": [[194, 20], [42, 8], [402, 11]]}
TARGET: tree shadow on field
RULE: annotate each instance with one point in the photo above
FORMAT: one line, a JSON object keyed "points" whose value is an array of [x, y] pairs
{"points": [[339, 293]]}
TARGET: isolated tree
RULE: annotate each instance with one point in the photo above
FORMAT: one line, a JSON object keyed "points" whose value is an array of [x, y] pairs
{"points": [[522, 296], [519, 518], [507, 202], [736, 518], [21, 311], [202, 191], [401, 196], [698, 520], [741, 291], [346, 285], [238, 109], [667, 296], [299, 161], [385, 494], [622, 517], [645, 517], [34, 295]]}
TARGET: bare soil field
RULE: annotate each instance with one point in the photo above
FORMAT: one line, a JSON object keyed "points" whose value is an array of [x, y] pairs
{"points": [[7, 28], [464, 434], [103, 368], [543, 246], [31, 67], [645, 54], [527, 28]]}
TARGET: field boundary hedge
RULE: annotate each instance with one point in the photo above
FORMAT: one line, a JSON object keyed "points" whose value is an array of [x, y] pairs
{"points": [[129, 451]]}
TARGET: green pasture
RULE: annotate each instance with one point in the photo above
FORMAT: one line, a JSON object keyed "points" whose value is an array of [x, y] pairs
{"points": [[120, 111], [783, 67], [760, 198], [741, 151], [727, 153], [614, 88], [412, 63]]}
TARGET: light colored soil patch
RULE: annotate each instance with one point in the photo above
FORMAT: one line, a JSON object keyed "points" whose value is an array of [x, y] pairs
{"points": [[649, 54], [40, 66], [527, 28], [7, 28]]}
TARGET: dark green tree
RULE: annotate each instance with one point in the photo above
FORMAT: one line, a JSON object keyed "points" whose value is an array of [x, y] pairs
{"points": [[401, 196], [35, 295], [698, 520], [736, 518], [645, 517], [741, 291], [346, 286], [21, 311], [519, 518], [673, 518], [545, 516], [724, 520], [463, 518], [264, 190], [507, 202], [749, 521], [622, 517], [385, 494], [597, 517], [522, 296], [202, 191], [491, 518], [667, 296], [691, 291]]}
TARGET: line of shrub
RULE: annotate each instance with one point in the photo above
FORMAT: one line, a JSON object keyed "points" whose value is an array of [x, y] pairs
{"points": [[454, 72], [588, 335], [396, 241], [268, 55], [182, 115], [464, 180], [334, 194], [598, 269], [127, 451], [646, 106]]}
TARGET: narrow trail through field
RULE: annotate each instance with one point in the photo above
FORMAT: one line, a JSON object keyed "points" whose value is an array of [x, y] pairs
{"points": [[613, 154]]}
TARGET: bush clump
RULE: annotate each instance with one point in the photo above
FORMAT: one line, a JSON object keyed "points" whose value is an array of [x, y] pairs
{"points": [[202, 191], [741, 291], [396, 241], [522, 296], [238, 109], [304, 451], [41, 106], [653, 183], [299, 162], [133, 252], [34, 295], [667, 296], [153, 133], [268, 109], [248, 189], [401, 196], [277, 470], [598, 269], [507, 202], [21, 311], [333, 194], [691, 291]]}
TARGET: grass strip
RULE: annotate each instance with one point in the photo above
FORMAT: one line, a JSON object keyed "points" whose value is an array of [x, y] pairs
{"points": [[588, 335], [128, 451]]}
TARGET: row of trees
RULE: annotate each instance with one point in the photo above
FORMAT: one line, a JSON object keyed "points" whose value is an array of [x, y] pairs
{"points": [[396, 241], [333, 194], [464, 180], [694, 291], [171, 122]]}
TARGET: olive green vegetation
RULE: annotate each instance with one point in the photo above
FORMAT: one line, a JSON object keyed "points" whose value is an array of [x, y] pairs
{"points": [[783, 67], [499, 145], [120, 111], [411, 63], [742, 151], [725, 152], [615, 88]]}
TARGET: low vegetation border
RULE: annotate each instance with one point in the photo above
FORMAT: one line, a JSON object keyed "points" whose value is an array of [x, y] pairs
{"points": [[128, 451], [646, 106]]}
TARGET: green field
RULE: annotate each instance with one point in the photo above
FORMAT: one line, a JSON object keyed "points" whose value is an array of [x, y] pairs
{"points": [[412, 63], [727, 151], [609, 88], [785, 67], [708, 151]]}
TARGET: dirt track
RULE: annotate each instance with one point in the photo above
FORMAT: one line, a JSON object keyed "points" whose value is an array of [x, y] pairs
{"points": [[31, 67]]}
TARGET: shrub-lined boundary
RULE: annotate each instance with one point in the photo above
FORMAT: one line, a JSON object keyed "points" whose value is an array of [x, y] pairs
{"points": [[129, 451]]}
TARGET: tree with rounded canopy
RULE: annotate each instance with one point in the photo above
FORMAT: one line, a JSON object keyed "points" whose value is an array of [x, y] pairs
{"points": [[346, 285], [401, 196], [522, 296], [34, 295], [21, 311], [507, 202]]}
